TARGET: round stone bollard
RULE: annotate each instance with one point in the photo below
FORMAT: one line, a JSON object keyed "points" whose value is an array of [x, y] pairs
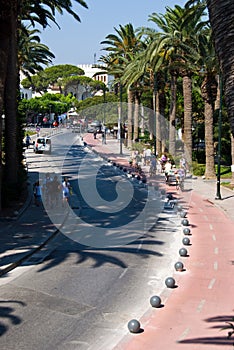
{"points": [[185, 222], [186, 231], [134, 326], [179, 266], [179, 208], [170, 282], [155, 301], [186, 241], [183, 252], [183, 214]]}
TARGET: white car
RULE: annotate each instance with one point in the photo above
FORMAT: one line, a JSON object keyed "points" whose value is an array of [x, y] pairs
{"points": [[42, 144]]}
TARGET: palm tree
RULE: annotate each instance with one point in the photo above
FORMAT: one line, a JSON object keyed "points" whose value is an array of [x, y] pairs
{"points": [[177, 44], [209, 64], [221, 15], [123, 46], [32, 54]]}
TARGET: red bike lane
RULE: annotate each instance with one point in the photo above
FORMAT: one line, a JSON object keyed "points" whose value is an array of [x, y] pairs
{"points": [[193, 313]]}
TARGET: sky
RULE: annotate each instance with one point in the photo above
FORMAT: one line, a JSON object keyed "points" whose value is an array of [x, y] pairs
{"points": [[80, 42]]}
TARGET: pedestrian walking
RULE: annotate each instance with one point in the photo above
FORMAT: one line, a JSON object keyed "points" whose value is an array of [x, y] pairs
{"points": [[47, 190], [37, 192], [55, 186], [67, 190], [27, 141]]}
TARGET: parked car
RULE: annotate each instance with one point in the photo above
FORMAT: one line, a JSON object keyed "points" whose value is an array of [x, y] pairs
{"points": [[42, 145]]}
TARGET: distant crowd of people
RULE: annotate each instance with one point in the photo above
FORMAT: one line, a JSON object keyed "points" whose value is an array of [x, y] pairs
{"points": [[52, 191], [162, 164]]}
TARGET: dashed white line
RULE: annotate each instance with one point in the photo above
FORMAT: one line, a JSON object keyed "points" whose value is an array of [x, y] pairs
{"points": [[215, 265], [200, 305], [140, 245], [123, 273], [201, 210], [216, 251], [214, 238], [184, 334], [211, 227], [211, 284], [205, 217]]}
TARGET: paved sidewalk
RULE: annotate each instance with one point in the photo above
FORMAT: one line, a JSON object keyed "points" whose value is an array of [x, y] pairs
{"points": [[194, 312]]}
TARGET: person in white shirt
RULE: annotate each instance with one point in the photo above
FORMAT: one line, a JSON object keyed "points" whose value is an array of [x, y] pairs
{"points": [[168, 167], [66, 188]]}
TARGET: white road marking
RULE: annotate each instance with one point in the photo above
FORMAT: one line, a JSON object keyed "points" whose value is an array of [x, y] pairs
{"points": [[214, 238], [216, 265], [211, 227], [205, 217], [200, 306], [123, 273], [211, 284], [184, 334], [216, 250]]}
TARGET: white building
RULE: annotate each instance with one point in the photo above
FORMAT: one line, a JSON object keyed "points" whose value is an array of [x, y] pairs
{"points": [[90, 71]]}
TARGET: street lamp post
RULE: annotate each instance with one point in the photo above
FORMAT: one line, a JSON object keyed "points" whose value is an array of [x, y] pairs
{"points": [[218, 193]]}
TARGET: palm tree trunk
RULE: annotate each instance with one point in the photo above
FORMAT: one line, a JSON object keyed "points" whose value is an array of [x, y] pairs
{"points": [[136, 117], [172, 116], [5, 32], [11, 89], [210, 166], [232, 167], [130, 115], [187, 92]]}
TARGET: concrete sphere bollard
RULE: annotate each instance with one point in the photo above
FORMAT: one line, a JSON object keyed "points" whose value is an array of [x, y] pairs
{"points": [[179, 207], [134, 326], [155, 301], [186, 231], [183, 214], [179, 266], [170, 282], [183, 252], [185, 222], [186, 241]]}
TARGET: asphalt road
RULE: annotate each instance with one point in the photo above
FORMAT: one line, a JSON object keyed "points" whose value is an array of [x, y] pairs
{"points": [[97, 274]]}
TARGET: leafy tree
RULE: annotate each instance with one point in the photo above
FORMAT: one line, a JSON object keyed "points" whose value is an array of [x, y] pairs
{"points": [[56, 75]]}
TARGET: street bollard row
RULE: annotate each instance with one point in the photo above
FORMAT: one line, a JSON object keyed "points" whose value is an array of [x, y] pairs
{"points": [[134, 325], [155, 301]]}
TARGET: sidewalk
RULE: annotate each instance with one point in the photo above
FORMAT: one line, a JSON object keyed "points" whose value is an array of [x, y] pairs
{"points": [[193, 313]]}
